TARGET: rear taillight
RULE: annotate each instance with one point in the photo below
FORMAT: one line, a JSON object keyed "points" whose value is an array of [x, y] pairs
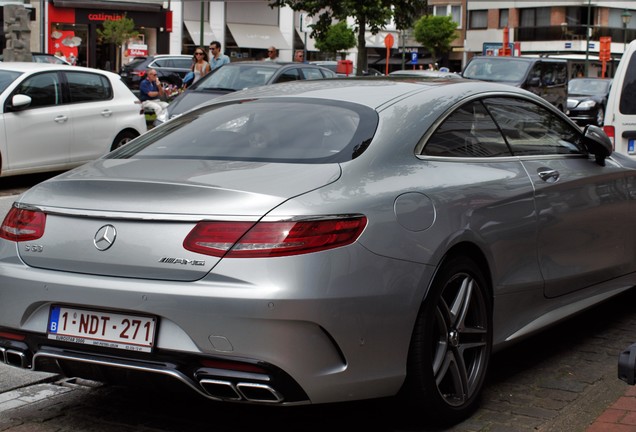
{"points": [[609, 131], [272, 239], [139, 73], [23, 225]]}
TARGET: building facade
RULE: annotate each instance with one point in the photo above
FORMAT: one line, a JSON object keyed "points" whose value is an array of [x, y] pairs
{"points": [[569, 29]]}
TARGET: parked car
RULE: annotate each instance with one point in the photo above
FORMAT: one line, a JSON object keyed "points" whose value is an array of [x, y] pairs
{"points": [[321, 241], [333, 66], [237, 76], [43, 58], [620, 114], [56, 117], [587, 99], [545, 77], [171, 69]]}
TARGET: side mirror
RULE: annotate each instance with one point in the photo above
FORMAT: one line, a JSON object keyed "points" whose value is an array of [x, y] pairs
{"points": [[20, 101], [597, 143]]}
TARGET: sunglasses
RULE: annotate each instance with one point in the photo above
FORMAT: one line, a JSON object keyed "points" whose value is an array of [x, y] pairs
{"points": [[198, 53]]}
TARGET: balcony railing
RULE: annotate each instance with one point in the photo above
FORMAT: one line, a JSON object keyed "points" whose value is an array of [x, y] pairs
{"points": [[552, 33]]}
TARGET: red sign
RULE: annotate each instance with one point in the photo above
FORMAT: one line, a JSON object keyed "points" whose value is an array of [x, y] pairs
{"points": [[136, 53], [388, 41]]}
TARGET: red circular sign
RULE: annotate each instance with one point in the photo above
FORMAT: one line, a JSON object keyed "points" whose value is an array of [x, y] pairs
{"points": [[388, 40]]}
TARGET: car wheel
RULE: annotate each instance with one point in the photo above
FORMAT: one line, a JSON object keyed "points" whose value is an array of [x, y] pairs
{"points": [[123, 138], [600, 116], [451, 344]]}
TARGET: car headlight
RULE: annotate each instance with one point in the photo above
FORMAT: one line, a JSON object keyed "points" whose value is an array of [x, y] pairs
{"points": [[587, 104]]}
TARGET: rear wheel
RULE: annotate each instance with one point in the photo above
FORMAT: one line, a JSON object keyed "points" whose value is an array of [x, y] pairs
{"points": [[123, 138], [451, 344]]}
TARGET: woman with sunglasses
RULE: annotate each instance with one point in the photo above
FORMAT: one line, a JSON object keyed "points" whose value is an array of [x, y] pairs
{"points": [[200, 64]]}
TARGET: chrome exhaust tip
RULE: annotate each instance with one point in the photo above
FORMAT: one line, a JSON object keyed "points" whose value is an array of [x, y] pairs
{"points": [[261, 393], [222, 390], [15, 358]]}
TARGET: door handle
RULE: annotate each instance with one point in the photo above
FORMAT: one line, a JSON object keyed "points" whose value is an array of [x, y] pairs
{"points": [[548, 175], [61, 119], [106, 113]]}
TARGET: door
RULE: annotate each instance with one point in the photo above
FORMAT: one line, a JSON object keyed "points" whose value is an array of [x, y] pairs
{"points": [[584, 235], [39, 136]]}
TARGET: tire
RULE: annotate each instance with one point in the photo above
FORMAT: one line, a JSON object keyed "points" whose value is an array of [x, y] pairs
{"points": [[451, 345], [123, 138], [600, 116]]}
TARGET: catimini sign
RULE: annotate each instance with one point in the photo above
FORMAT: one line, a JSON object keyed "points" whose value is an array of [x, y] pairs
{"points": [[104, 16]]}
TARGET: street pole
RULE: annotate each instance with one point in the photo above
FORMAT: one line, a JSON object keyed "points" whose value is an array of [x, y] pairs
{"points": [[587, 37], [403, 49], [201, 35], [626, 17]]}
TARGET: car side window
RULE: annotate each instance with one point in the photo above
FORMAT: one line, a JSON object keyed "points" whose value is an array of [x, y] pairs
{"points": [[532, 130], [468, 132], [312, 73], [44, 89], [88, 87], [182, 63], [289, 75]]}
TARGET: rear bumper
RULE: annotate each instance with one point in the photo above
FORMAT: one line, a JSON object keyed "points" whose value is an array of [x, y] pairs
{"points": [[320, 336], [235, 381]]}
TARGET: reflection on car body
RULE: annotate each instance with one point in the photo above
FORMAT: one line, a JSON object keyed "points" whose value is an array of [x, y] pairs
{"points": [[353, 239]]}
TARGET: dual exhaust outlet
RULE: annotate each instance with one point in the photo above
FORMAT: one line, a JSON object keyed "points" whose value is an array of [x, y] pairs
{"points": [[240, 391]]}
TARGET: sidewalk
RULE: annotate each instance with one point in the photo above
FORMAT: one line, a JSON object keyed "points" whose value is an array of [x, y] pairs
{"points": [[620, 416]]}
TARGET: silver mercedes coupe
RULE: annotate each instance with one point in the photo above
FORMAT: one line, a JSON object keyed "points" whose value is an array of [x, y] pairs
{"points": [[321, 241]]}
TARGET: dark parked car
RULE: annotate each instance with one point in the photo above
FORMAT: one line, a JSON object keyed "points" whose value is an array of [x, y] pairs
{"points": [[238, 76], [171, 69], [587, 99], [545, 77]]}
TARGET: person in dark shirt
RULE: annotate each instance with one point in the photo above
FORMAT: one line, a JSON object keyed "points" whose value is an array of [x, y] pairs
{"points": [[151, 92]]}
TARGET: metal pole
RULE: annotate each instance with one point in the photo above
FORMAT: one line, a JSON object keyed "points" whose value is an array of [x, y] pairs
{"points": [[201, 18], [587, 37], [403, 49]]}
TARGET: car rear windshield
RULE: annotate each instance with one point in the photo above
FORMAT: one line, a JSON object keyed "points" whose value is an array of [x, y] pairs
{"points": [[291, 130], [492, 69]]}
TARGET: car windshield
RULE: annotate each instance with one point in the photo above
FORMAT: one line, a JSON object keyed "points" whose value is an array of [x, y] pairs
{"points": [[7, 77], [260, 130], [492, 69], [236, 77], [584, 86]]}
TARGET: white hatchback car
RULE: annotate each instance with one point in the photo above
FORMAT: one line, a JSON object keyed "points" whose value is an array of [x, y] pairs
{"points": [[56, 117]]}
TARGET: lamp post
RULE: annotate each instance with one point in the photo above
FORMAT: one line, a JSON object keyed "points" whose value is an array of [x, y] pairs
{"points": [[587, 37], [626, 17]]}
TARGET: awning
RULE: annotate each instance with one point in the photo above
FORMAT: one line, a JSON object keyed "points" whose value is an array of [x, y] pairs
{"points": [[194, 28], [311, 43], [257, 36]]}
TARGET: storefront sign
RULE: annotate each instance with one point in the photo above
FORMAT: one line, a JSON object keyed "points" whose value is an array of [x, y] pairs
{"points": [[100, 16]]}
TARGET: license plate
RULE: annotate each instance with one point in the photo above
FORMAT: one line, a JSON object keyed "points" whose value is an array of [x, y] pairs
{"points": [[630, 146], [105, 329]]}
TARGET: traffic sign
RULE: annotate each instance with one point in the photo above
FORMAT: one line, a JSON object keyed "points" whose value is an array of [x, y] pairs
{"points": [[414, 57]]}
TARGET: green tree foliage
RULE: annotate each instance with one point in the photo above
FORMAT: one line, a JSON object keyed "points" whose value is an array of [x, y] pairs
{"points": [[368, 15], [117, 33], [435, 33], [338, 38]]}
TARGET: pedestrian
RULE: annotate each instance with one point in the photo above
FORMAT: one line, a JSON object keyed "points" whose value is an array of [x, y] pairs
{"points": [[217, 58], [151, 92], [200, 64], [272, 54], [299, 56]]}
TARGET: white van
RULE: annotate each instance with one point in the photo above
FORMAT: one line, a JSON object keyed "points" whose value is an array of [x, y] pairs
{"points": [[620, 115]]}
